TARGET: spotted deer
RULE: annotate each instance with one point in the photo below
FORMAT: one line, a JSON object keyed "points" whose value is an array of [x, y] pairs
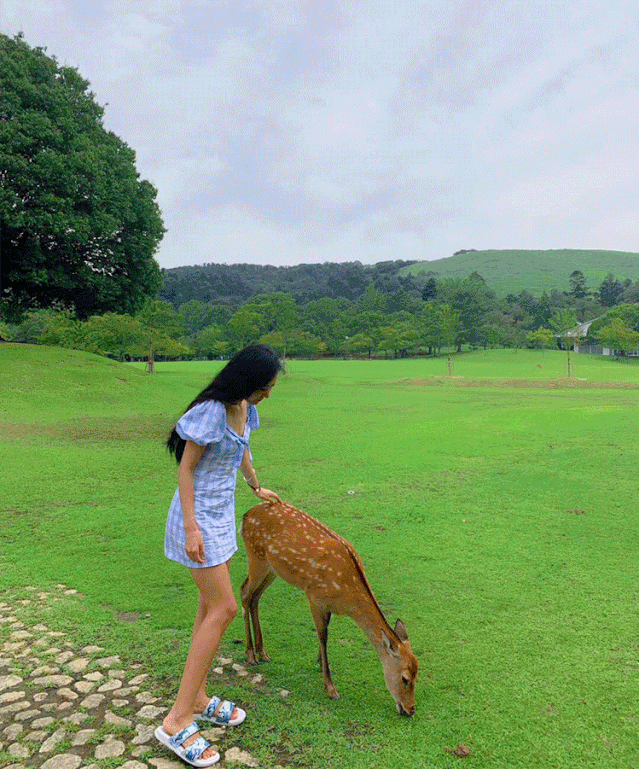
{"points": [[283, 541]]}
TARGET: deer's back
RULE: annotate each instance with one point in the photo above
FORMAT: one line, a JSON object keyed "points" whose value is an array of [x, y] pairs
{"points": [[304, 552]]}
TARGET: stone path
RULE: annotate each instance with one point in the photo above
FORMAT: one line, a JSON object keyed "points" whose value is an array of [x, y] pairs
{"points": [[63, 707]]}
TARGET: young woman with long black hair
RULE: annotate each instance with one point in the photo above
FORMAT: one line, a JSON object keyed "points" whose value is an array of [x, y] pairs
{"points": [[210, 443]]}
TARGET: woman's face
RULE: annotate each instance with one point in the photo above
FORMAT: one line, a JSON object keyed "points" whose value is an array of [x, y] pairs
{"points": [[259, 395]]}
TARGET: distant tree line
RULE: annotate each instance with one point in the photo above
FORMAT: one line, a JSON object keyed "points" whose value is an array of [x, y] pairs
{"points": [[445, 314], [238, 283]]}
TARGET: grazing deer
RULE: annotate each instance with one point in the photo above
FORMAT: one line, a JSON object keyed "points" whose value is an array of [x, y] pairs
{"points": [[283, 541]]}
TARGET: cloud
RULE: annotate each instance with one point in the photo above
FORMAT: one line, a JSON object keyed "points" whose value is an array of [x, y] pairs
{"points": [[285, 131]]}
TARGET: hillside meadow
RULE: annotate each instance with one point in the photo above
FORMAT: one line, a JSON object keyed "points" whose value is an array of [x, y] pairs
{"points": [[513, 271], [495, 513]]}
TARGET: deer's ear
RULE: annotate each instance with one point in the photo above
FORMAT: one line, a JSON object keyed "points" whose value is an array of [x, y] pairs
{"points": [[400, 630], [389, 647]]}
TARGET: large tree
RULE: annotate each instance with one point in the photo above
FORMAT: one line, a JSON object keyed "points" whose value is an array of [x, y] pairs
{"points": [[78, 227], [609, 291], [578, 287], [472, 299]]}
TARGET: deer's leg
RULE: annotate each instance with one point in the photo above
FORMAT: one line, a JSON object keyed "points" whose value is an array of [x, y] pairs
{"points": [[248, 636], [321, 618], [254, 585], [257, 628]]}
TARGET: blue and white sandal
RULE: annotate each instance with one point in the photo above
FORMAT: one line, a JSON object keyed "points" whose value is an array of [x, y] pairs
{"points": [[191, 754], [223, 715]]}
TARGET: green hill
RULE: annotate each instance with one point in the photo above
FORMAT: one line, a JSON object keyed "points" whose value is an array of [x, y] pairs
{"points": [[69, 387], [510, 272]]}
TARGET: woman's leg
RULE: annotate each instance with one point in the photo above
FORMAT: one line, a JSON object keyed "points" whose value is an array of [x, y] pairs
{"points": [[200, 695], [202, 699], [216, 608]]}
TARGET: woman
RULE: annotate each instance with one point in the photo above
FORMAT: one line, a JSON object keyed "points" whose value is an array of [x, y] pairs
{"points": [[210, 442]]}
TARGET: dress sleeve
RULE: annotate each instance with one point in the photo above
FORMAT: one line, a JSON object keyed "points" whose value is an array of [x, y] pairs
{"points": [[203, 424], [253, 421]]}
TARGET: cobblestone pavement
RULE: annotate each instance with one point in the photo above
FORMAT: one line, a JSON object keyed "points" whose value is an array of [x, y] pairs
{"points": [[63, 708]]}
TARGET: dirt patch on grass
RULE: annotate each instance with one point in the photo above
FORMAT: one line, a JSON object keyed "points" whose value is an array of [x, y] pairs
{"points": [[541, 384], [461, 751], [89, 429], [128, 616]]}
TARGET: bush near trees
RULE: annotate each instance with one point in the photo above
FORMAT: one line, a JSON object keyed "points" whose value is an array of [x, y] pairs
{"points": [[542, 339], [618, 336], [618, 328], [156, 330], [78, 227], [628, 313]]}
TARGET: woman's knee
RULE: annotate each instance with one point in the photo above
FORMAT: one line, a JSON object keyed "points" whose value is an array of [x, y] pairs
{"points": [[228, 610], [224, 610], [216, 594]]}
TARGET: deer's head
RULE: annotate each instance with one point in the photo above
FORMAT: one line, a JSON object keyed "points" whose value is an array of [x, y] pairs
{"points": [[400, 669]]}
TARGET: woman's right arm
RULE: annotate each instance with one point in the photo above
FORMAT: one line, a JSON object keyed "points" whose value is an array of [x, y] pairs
{"points": [[186, 472]]}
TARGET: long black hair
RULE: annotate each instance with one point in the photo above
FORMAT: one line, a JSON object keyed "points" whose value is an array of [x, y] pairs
{"points": [[252, 369]]}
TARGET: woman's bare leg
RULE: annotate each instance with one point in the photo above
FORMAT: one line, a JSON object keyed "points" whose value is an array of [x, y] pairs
{"points": [[216, 609], [201, 693], [202, 699]]}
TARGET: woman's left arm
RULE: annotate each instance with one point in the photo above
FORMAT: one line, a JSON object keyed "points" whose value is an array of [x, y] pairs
{"points": [[266, 495]]}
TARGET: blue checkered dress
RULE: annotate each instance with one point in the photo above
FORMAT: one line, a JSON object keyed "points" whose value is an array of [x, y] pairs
{"points": [[214, 484]]}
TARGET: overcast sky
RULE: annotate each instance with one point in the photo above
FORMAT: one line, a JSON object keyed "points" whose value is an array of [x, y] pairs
{"points": [[290, 131]]}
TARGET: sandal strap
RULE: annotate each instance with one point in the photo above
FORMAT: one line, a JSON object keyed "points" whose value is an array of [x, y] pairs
{"points": [[195, 749], [225, 712], [210, 708], [180, 737]]}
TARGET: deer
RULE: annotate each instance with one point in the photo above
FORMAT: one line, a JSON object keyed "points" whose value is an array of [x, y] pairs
{"points": [[282, 541]]}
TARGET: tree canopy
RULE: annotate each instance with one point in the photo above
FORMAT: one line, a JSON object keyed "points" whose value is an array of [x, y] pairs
{"points": [[618, 336], [78, 227]]}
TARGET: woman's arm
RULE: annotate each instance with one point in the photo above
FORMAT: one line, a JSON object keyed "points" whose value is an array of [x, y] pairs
{"points": [[194, 544], [266, 495]]}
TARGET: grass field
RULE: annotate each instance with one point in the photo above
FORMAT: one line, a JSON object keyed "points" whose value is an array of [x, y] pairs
{"points": [[495, 514], [510, 272]]}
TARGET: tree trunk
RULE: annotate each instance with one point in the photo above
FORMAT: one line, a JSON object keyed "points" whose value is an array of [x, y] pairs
{"points": [[150, 363]]}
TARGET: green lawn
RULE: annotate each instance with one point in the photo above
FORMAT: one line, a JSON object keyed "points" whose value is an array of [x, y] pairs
{"points": [[495, 514]]}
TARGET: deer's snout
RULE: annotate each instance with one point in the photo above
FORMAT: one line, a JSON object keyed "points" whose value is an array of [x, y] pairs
{"points": [[405, 711]]}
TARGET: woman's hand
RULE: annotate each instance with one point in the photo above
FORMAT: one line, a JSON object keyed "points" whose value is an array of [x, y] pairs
{"points": [[194, 545], [266, 495]]}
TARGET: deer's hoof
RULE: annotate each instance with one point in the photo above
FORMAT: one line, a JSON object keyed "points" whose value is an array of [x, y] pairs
{"points": [[332, 693]]}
